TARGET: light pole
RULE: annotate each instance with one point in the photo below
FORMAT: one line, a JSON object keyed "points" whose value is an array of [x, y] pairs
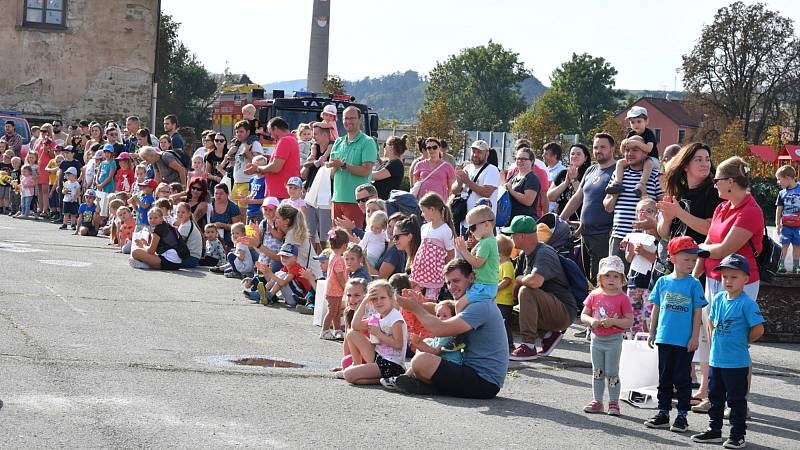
{"points": [[155, 70]]}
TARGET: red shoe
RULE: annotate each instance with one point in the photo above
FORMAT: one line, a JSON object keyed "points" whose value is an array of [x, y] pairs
{"points": [[523, 353], [550, 342]]}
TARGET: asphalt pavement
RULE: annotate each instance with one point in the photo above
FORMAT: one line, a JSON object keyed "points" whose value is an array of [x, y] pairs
{"points": [[95, 354]]}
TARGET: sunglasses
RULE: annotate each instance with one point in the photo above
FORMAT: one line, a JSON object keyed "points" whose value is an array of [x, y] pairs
{"points": [[364, 199], [197, 188], [219, 140], [474, 226], [397, 237], [432, 147], [717, 180]]}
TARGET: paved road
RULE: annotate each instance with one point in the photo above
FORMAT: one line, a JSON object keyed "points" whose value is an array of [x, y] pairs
{"points": [[96, 354]]}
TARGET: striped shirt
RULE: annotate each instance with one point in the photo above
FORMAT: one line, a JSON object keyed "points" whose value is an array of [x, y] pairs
{"points": [[625, 208]]}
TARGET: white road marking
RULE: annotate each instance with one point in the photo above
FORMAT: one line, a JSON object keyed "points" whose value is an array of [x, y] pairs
{"points": [[62, 298], [65, 263]]}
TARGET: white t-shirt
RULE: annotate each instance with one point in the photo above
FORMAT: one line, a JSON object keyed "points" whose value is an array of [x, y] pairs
{"points": [[246, 265], [374, 244], [194, 241], [552, 173], [392, 354], [72, 191], [443, 233], [240, 163], [489, 177]]}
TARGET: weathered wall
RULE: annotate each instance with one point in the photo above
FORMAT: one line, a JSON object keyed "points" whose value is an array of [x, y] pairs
{"points": [[99, 67]]}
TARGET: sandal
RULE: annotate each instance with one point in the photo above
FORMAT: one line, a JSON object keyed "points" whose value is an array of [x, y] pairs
{"points": [[695, 401]]}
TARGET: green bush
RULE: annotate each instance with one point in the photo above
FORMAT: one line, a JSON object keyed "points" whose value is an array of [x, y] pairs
{"points": [[765, 191]]}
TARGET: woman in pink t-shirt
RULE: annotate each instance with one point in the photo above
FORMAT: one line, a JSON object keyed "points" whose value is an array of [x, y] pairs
{"points": [[45, 150], [435, 174], [608, 312]]}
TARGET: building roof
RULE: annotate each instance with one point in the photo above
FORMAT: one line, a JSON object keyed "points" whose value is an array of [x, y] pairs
{"points": [[765, 152], [791, 152], [676, 110]]}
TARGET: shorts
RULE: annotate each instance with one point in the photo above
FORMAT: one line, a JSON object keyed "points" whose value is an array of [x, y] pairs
{"points": [[790, 235], [240, 189], [5, 193], [481, 292], [92, 230], [388, 368], [167, 264], [457, 380], [318, 219], [71, 208]]}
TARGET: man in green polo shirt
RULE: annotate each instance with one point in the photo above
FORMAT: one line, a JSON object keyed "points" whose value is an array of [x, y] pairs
{"points": [[352, 158]]}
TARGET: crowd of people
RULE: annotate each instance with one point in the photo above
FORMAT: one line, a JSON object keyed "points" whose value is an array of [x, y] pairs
{"points": [[666, 242]]}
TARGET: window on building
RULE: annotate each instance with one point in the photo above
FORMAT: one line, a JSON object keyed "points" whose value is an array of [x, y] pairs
{"points": [[658, 134], [681, 136], [45, 13]]}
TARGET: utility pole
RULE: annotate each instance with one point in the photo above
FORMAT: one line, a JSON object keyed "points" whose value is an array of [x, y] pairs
{"points": [[318, 49], [155, 70]]}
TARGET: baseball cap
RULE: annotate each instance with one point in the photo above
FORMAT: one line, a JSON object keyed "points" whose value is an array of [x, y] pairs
{"points": [[151, 183], [735, 261], [480, 144], [270, 202], [296, 181], [520, 224], [123, 155], [611, 263], [71, 170], [69, 148], [330, 109], [288, 250], [108, 148], [324, 255], [90, 193], [636, 111], [98, 155], [84, 123], [685, 244]]}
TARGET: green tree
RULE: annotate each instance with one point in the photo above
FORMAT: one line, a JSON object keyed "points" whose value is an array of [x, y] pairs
{"points": [[480, 86], [185, 88], [731, 143], [438, 121], [741, 62], [609, 125], [587, 84], [538, 124], [333, 85]]}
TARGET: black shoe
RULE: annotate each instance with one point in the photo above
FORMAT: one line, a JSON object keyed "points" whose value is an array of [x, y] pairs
{"points": [[615, 189], [708, 437], [412, 386], [734, 442], [679, 425], [658, 421], [63, 227]]}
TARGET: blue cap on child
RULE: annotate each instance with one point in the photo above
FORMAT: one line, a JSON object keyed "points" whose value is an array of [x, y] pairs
{"points": [[735, 261]]}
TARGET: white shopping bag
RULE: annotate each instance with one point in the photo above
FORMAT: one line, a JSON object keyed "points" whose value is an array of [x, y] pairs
{"points": [[319, 194], [320, 305], [638, 366], [143, 234]]}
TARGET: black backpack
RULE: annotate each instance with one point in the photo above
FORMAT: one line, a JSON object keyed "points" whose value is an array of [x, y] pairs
{"points": [[181, 156], [181, 248]]}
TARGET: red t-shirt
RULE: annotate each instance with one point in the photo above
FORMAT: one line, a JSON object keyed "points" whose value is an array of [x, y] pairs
{"points": [[289, 151], [295, 270], [542, 205], [120, 176], [44, 159], [747, 215]]}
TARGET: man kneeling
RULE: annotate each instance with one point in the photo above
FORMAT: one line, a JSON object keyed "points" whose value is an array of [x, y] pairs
{"points": [[486, 353]]}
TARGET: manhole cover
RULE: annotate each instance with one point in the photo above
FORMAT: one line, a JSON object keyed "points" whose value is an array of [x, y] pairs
{"points": [[266, 362], [64, 263]]}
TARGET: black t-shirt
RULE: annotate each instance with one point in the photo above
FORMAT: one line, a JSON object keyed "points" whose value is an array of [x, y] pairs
{"points": [[385, 186], [700, 202], [6, 167], [168, 238], [521, 184], [563, 199], [648, 137], [213, 159]]}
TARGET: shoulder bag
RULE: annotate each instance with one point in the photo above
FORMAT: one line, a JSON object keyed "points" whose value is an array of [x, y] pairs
{"points": [[458, 203]]}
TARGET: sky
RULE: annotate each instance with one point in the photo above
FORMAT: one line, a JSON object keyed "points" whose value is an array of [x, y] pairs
{"points": [[378, 37]]}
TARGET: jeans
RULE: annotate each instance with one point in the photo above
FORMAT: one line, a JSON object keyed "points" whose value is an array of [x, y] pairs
{"points": [[231, 261], [674, 370], [506, 311], [606, 351], [26, 205], [190, 262], [730, 385], [594, 249]]}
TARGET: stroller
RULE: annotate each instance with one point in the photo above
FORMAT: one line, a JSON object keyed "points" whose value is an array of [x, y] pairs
{"points": [[556, 233]]}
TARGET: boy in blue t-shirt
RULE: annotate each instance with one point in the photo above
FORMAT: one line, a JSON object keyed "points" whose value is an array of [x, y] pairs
{"points": [[735, 322], [258, 190], [787, 216], [142, 202], [675, 328]]}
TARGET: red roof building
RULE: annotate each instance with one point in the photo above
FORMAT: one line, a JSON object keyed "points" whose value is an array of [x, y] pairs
{"points": [[670, 120]]}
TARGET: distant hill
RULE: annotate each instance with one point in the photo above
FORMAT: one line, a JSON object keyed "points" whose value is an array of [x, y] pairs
{"points": [[398, 95]]}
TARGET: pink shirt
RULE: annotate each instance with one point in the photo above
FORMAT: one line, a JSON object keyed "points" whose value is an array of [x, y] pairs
{"points": [[335, 265], [747, 215], [440, 180], [289, 151], [608, 306]]}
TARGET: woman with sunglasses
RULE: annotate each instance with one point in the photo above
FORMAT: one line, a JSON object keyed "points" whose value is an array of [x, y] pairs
{"points": [[197, 196], [406, 239], [524, 187], [568, 181], [433, 174], [214, 157]]}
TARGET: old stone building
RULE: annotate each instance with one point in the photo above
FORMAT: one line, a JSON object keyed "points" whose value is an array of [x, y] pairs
{"points": [[76, 59]]}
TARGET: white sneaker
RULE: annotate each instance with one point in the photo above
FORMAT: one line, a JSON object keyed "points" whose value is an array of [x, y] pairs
{"points": [[338, 335], [389, 383], [327, 335]]}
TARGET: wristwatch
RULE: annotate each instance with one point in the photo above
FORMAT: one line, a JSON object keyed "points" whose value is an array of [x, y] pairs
{"points": [[344, 166]]}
